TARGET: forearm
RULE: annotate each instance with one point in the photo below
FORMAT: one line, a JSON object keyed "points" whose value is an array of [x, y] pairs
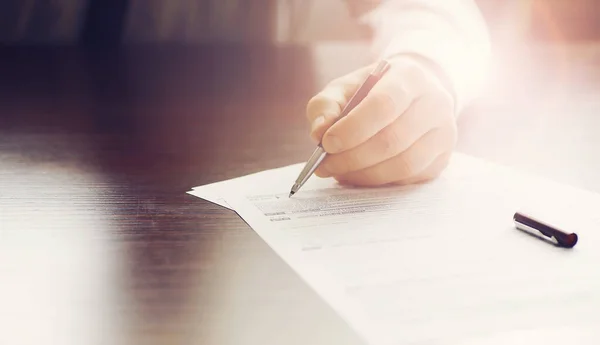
{"points": [[450, 33]]}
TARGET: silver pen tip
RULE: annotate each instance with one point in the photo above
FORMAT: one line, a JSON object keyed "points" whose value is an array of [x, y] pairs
{"points": [[294, 189]]}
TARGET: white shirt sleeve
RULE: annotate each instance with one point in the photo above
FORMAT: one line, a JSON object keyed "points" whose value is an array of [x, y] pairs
{"points": [[449, 33]]}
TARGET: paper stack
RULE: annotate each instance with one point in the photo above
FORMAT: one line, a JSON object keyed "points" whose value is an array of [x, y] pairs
{"points": [[435, 263]]}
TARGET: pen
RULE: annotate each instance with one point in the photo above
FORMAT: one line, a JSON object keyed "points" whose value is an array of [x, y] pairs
{"points": [[319, 154], [527, 223]]}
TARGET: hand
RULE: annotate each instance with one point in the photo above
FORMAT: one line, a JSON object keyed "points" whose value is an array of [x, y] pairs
{"points": [[403, 132]]}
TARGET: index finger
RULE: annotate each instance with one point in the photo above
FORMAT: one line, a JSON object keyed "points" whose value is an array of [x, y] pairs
{"points": [[324, 108], [388, 100]]}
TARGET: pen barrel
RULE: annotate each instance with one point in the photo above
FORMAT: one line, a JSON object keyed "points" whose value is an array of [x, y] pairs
{"points": [[311, 165], [364, 89]]}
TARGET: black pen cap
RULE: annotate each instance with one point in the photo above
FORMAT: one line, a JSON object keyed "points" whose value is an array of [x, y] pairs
{"points": [[568, 240]]}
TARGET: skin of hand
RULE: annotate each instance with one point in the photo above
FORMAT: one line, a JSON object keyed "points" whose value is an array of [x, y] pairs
{"points": [[403, 132]]}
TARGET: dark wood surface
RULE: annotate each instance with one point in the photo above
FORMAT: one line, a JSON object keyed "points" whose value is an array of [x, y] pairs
{"points": [[99, 244]]}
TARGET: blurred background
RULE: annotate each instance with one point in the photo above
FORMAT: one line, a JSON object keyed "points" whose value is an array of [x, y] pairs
{"points": [[326, 32], [270, 21], [328, 29]]}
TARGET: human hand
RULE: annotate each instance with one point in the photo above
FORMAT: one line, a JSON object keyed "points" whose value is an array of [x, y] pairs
{"points": [[403, 132]]}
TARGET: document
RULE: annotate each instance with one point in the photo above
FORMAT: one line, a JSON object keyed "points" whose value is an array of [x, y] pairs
{"points": [[434, 263]]}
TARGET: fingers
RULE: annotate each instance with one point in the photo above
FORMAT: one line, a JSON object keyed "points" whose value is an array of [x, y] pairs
{"points": [[426, 113], [403, 131], [431, 172], [388, 100], [407, 165], [324, 108]]}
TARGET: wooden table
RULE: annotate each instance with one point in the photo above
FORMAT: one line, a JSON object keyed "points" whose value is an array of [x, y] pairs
{"points": [[99, 244]]}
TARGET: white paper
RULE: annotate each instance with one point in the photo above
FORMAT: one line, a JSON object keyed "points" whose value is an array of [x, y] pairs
{"points": [[437, 263]]}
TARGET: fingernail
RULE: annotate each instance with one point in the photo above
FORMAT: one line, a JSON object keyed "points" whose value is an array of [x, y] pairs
{"points": [[318, 122], [332, 144]]}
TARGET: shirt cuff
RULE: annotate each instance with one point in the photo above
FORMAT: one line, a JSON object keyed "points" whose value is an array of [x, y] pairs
{"points": [[460, 56]]}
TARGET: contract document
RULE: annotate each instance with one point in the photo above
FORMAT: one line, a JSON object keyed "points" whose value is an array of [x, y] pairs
{"points": [[434, 263]]}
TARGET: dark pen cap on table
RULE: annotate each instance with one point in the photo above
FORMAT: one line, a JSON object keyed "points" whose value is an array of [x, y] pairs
{"points": [[564, 239]]}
